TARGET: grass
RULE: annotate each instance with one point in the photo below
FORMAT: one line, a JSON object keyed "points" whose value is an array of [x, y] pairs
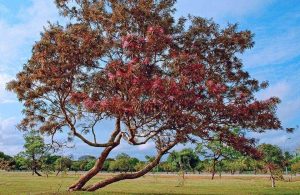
{"points": [[24, 183]]}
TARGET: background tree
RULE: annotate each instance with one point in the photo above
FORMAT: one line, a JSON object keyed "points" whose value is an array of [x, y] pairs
{"points": [[215, 151], [6, 162], [48, 163], [35, 150], [5, 156], [21, 162], [295, 167], [62, 164], [123, 163], [287, 161], [273, 161], [235, 164], [107, 163], [90, 163], [158, 79], [75, 166], [184, 160], [86, 157], [166, 166]]}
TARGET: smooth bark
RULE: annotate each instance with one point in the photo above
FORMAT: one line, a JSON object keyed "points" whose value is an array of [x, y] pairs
{"points": [[135, 175], [91, 173]]}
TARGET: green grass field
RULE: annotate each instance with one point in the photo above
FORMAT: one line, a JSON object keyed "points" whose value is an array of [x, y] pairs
{"points": [[24, 183]]}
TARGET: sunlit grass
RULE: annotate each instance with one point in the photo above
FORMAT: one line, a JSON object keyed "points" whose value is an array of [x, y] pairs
{"points": [[24, 183]]}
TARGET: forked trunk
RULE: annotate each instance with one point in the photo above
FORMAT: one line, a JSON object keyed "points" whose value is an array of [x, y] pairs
{"points": [[135, 175], [91, 173]]}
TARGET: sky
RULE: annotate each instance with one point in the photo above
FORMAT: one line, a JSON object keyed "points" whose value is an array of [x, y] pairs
{"points": [[275, 58]]}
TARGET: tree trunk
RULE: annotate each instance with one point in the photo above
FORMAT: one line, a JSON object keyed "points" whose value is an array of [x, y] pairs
{"points": [[91, 173], [36, 172], [135, 175], [213, 170], [57, 172], [273, 181], [272, 178], [213, 175]]}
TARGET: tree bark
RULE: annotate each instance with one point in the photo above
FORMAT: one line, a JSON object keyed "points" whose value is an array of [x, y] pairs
{"points": [[135, 175], [91, 173], [115, 139]]}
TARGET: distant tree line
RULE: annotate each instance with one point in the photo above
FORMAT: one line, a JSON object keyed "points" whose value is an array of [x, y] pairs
{"points": [[214, 158]]}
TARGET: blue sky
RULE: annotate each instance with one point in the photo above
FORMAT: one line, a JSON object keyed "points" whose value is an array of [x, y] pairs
{"points": [[275, 57]]}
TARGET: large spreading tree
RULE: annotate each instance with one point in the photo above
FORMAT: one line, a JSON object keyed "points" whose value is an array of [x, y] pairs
{"points": [[160, 80]]}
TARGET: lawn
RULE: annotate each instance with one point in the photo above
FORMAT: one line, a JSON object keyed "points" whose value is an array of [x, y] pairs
{"points": [[24, 183]]}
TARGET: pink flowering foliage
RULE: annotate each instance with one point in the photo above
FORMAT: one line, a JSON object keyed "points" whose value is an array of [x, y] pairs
{"points": [[157, 78]]}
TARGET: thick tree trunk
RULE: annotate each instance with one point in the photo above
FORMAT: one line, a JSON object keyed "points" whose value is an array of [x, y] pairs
{"points": [[135, 175], [115, 138], [91, 173]]}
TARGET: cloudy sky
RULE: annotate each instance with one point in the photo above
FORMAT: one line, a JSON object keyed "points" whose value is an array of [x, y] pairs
{"points": [[275, 57]]}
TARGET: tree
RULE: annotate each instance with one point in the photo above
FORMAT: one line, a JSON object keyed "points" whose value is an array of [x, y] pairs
{"points": [[48, 163], [107, 164], [184, 160], [21, 162], [295, 167], [273, 160], [62, 164], [90, 163], [158, 79], [235, 164], [35, 150], [75, 166], [6, 162], [215, 151], [4, 156], [167, 167], [123, 163], [86, 157]]}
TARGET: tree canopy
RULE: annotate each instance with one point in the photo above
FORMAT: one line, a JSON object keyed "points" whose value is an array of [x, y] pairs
{"points": [[159, 79]]}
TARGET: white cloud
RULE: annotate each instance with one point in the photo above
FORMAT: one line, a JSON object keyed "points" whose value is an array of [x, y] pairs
{"points": [[280, 89], [289, 110], [5, 96], [147, 146], [16, 39], [274, 49], [11, 140], [286, 141], [289, 107]]}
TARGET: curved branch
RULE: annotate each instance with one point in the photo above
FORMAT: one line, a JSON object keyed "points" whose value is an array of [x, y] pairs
{"points": [[75, 133], [97, 167], [135, 175]]}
